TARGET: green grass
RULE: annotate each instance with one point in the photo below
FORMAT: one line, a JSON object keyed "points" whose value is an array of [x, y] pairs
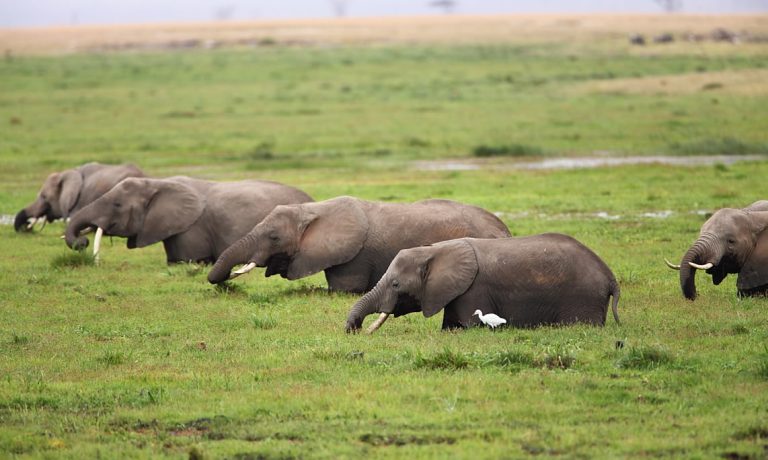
{"points": [[133, 358]]}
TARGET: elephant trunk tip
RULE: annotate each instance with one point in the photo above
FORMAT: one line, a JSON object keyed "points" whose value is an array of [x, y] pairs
{"points": [[20, 222], [79, 243], [215, 278]]}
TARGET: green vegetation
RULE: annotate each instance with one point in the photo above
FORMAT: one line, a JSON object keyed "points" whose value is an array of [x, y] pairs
{"points": [[133, 358]]}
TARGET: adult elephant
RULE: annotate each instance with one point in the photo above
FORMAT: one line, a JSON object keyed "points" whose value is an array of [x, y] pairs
{"points": [[731, 241], [65, 192], [352, 240], [195, 219], [528, 281]]}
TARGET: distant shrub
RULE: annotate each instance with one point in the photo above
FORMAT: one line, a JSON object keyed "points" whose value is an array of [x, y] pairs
{"points": [[646, 357], [263, 321], [111, 358], [722, 146], [73, 259], [711, 86], [510, 150], [446, 360], [762, 364], [559, 358], [19, 339], [263, 151], [512, 359]]}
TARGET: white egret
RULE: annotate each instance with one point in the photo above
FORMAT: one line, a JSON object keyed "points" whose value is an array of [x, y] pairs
{"points": [[490, 319]]}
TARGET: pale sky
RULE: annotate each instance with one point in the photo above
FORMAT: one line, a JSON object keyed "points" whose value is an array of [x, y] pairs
{"points": [[20, 13]]}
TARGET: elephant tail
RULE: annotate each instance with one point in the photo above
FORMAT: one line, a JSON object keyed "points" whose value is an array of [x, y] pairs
{"points": [[615, 294]]}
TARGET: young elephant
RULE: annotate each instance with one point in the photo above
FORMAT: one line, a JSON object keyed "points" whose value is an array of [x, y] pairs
{"points": [[65, 192], [195, 219], [352, 240], [529, 281], [731, 241]]}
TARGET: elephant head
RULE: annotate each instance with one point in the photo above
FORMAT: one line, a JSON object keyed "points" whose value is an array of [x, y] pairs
{"points": [[55, 200], [731, 241], [295, 241], [429, 277], [144, 210]]}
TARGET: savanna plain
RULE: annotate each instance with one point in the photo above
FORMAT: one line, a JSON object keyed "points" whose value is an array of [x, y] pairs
{"points": [[132, 358]]}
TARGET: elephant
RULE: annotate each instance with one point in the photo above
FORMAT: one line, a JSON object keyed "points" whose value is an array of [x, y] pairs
{"points": [[350, 239], [65, 192], [546, 279], [195, 219], [731, 241]]}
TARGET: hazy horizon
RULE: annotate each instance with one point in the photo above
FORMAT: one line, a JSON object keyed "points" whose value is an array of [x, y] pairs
{"points": [[33, 13]]}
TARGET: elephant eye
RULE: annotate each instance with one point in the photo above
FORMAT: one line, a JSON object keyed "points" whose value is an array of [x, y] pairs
{"points": [[731, 241], [395, 283], [117, 205], [274, 237]]}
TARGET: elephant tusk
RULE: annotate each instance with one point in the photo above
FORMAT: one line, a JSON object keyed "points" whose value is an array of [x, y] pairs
{"points": [[706, 266], [671, 265], [377, 324], [86, 231], [31, 223], [97, 243], [243, 270]]}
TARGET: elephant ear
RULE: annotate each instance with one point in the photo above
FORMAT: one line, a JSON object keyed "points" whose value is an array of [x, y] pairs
{"points": [[754, 273], [70, 185], [172, 209], [450, 271], [334, 232]]}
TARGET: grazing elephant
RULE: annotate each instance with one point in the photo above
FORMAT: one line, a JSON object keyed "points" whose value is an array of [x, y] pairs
{"points": [[195, 219], [65, 192], [528, 281], [352, 240], [731, 241]]}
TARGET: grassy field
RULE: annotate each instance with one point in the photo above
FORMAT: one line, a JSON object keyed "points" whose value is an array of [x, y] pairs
{"points": [[136, 359]]}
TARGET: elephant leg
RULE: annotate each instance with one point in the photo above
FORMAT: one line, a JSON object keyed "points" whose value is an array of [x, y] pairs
{"points": [[187, 247], [761, 291], [458, 313], [590, 312], [352, 276]]}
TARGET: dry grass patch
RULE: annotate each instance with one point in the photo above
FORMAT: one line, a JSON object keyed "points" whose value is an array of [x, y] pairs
{"points": [[521, 28], [752, 82]]}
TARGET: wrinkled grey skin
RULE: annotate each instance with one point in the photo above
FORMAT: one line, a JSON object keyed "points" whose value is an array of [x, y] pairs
{"points": [[195, 219], [734, 241], [352, 240], [65, 192], [529, 281]]}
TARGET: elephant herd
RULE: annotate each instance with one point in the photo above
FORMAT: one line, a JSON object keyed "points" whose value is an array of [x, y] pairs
{"points": [[426, 256]]}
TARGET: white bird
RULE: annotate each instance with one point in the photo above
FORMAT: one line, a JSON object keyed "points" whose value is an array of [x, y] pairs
{"points": [[490, 319]]}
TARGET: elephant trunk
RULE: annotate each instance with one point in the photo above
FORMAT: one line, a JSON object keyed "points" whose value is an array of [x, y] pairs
{"points": [[379, 299], [20, 222], [37, 209], [238, 253], [707, 249], [80, 221]]}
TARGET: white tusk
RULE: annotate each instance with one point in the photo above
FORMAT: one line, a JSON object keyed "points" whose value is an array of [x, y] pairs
{"points": [[97, 243], [377, 324], [32, 221], [706, 266], [671, 265], [243, 270], [86, 231]]}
